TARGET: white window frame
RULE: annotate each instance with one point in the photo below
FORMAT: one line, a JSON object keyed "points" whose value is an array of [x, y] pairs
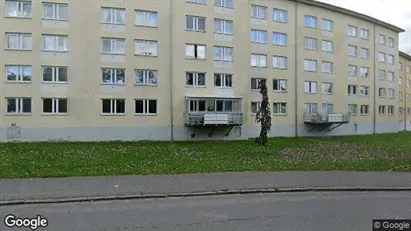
{"points": [[255, 81], [114, 76], [259, 12], [196, 79], [382, 74], [401, 96], [310, 21], [55, 106], [352, 51], [115, 14], [258, 106], [55, 74], [353, 109], [280, 39], [364, 72], [20, 9], [226, 54], [381, 57], [391, 110], [280, 62], [20, 41], [390, 42], [390, 59], [196, 23], [327, 46], [400, 79], [222, 26], [146, 107], [224, 3], [327, 67], [327, 108], [278, 84], [148, 47], [400, 110], [280, 16], [310, 87], [328, 25], [147, 73], [328, 88], [113, 106], [365, 34], [365, 53], [391, 76], [57, 39], [56, 13], [195, 51], [311, 108], [260, 60], [364, 90], [145, 18], [352, 89], [391, 93], [20, 73], [381, 110], [224, 80], [351, 72], [310, 43], [364, 109], [279, 108], [258, 36], [310, 65], [381, 39], [19, 105], [352, 31], [114, 50]]}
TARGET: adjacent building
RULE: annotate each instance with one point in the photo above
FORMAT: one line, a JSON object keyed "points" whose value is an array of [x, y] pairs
{"points": [[404, 97], [190, 70]]}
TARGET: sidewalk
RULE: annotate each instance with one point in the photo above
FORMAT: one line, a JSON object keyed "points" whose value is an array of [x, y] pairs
{"points": [[15, 191]]}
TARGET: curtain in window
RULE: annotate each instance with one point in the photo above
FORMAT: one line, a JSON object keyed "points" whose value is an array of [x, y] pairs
{"points": [[12, 8], [48, 10], [63, 12], [26, 41], [120, 47], [120, 76], [217, 53], [106, 46], [48, 43], [254, 60], [139, 76], [228, 54], [62, 43], [283, 85], [228, 27], [218, 26], [26, 9], [106, 16], [121, 16], [12, 41], [152, 77]]}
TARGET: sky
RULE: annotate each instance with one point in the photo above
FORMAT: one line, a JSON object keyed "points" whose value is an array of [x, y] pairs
{"points": [[396, 12]]}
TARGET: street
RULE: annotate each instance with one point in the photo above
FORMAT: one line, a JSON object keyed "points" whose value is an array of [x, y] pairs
{"points": [[280, 212]]}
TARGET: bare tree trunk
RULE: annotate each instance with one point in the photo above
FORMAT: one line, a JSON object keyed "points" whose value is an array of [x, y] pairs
{"points": [[264, 114]]}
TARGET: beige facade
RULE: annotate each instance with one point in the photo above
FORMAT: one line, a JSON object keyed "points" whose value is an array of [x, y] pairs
{"points": [[137, 70], [404, 111]]}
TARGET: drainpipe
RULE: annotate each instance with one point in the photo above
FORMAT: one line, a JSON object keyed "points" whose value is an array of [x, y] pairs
{"points": [[171, 24], [295, 68], [375, 84], [404, 68]]}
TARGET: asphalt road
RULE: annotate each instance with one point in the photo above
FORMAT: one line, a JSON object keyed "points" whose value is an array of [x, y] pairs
{"points": [[279, 212]]}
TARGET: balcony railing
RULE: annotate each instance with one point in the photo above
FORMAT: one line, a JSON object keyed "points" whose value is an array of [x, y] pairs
{"points": [[326, 118], [213, 118]]}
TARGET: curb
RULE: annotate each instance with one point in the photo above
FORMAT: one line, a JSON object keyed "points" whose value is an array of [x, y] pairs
{"points": [[199, 194]]}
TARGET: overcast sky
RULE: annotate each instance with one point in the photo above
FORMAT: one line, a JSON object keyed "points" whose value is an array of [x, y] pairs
{"points": [[396, 12]]}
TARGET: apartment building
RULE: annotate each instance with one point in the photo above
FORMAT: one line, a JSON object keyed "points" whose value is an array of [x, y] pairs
{"points": [[404, 97], [189, 70]]}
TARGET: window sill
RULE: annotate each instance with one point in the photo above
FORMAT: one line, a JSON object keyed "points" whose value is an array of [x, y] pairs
{"points": [[259, 43], [55, 19], [352, 94], [364, 95], [222, 33], [12, 49], [328, 52], [279, 22], [112, 114], [199, 3], [278, 68], [328, 73], [310, 49], [49, 51], [353, 114], [328, 93], [311, 71], [352, 56], [280, 45], [113, 24], [310, 93], [188, 58], [258, 67], [145, 26], [145, 114], [366, 39], [54, 114], [223, 61], [352, 36], [103, 53], [113, 84], [18, 114], [279, 91], [201, 31], [191, 86], [51, 82], [329, 31], [265, 19], [18, 17], [281, 114], [226, 7], [17, 82], [153, 56], [255, 90], [145, 85], [364, 114], [218, 87]]}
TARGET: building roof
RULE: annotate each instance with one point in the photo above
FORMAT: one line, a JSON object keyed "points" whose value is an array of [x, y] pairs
{"points": [[350, 13], [405, 55]]}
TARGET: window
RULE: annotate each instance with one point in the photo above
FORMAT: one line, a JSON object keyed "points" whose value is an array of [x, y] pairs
{"points": [[195, 23], [55, 11], [327, 46], [18, 73], [145, 77], [197, 1], [145, 106], [255, 83], [259, 12], [391, 110], [113, 76], [146, 18], [223, 80], [401, 66], [310, 43], [280, 39], [280, 108], [311, 108], [381, 110], [382, 92], [408, 83], [195, 79], [197, 105], [146, 48], [365, 34], [390, 59], [352, 31], [55, 74], [401, 96], [19, 9], [400, 111], [391, 93], [364, 90], [328, 25], [364, 72], [224, 3], [381, 39], [55, 43], [224, 54], [258, 36], [258, 60], [382, 74], [18, 105], [255, 107], [280, 85], [352, 51], [222, 26], [310, 21], [310, 65], [391, 77], [352, 70], [280, 62], [327, 67], [364, 109], [113, 46], [408, 69], [280, 15], [381, 57], [195, 51], [113, 16], [113, 106], [327, 88], [54, 106], [352, 109], [365, 53], [327, 108], [18, 41], [352, 90], [390, 42], [408, 97], [400, 81], [408, 110], [310, 87]]}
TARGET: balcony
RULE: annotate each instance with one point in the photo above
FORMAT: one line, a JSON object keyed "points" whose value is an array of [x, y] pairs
{"points": [[213, 119], [322, 121]]}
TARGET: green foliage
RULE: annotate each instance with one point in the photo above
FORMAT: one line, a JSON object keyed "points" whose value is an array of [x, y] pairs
{"points": [[264, 115]]}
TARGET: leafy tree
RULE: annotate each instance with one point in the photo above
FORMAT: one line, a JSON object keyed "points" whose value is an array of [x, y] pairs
{"points": [[263, 115]]}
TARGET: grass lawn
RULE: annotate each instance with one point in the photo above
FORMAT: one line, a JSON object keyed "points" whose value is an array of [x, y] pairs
{"points": [[390, 152]]}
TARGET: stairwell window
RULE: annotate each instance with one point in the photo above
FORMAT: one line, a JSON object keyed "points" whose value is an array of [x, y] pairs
{"points": [[327, 88], [55, 43], [364, 72], [352, 31], [310, 65], [327, 67], [365, 90], [113, 16], [352, 89], [310, 21], [195, 23], [223, 54], [258, 60], [280, 16], [224, 3], [352, 51], [280, 108], [280, 85], [55, 11], [113, 106], [352, 109], [364, 109], [146, 18], [258, 36], [113, 46], [146, 48], [146, 77], [222, 26], [55, 74], [20, 73], [19, 9], [195, 51], [195, 79], [223, 80], [365, 53], [381, 110], [310, 87], [382, 92], [259, 12], [18, 106], [54, 106], [280, 62], [145, 107], [280, 39], [18, 41], [352, 70], [113, 76]]}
